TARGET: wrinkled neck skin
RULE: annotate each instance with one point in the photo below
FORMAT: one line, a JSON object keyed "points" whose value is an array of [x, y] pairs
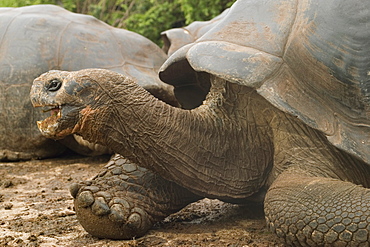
{"points": [[223, 149]]}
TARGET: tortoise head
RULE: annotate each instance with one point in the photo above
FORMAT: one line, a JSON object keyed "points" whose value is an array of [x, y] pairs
{"points": [[65, 96]]}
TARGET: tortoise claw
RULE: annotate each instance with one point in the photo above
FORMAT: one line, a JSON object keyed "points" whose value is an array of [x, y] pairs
{"points": [[100, 207], [73, 189], [85, 199]]}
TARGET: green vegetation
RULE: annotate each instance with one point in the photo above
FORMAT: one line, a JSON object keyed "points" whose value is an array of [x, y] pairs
{"points": [[147, 17]]}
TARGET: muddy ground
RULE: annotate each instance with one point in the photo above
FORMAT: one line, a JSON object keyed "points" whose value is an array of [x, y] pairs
{"points": [[37, 210]]}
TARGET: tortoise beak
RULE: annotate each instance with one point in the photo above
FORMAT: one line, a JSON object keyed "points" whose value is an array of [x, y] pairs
{"points": [[49, 126]]}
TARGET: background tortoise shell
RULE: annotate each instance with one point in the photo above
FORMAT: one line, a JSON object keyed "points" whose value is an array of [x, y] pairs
{"points": [[39, 38]]}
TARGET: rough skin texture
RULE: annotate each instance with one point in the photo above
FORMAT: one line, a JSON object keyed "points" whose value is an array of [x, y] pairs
{"points": [[305, 162], [340, 216]]}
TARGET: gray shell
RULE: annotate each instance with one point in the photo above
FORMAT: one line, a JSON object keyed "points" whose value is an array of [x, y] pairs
{"points": [[36, 39], [176, 38], [310, 58]]}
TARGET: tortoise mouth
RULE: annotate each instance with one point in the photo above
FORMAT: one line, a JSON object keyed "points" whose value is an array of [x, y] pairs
{"points": [[49, 126]]}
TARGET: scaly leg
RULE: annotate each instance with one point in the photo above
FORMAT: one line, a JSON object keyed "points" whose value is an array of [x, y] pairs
{"points": [[318, 211]]}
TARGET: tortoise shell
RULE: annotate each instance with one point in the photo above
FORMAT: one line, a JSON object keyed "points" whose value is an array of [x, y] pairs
{"points": [[176, 38], [309, 58]]}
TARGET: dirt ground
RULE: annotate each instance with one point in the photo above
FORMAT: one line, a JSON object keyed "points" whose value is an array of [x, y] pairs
{"points": [[36, 209]]}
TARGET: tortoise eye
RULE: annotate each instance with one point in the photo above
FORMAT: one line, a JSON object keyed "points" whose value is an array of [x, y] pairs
{"points": [[54, 85]]}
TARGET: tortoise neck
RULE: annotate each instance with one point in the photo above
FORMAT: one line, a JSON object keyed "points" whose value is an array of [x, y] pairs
{"points": [[205, 149]]}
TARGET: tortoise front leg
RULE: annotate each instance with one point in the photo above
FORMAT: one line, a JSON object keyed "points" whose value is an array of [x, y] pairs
{"points": [[125, 200], [318, 211]]}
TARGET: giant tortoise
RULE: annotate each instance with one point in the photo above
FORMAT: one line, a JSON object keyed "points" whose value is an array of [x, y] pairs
{"points": [[279, 99], [36, 39]]}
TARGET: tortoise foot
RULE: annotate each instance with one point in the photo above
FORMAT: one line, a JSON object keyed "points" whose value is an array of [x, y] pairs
{"points": [[106, 216], [124, 200]]}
